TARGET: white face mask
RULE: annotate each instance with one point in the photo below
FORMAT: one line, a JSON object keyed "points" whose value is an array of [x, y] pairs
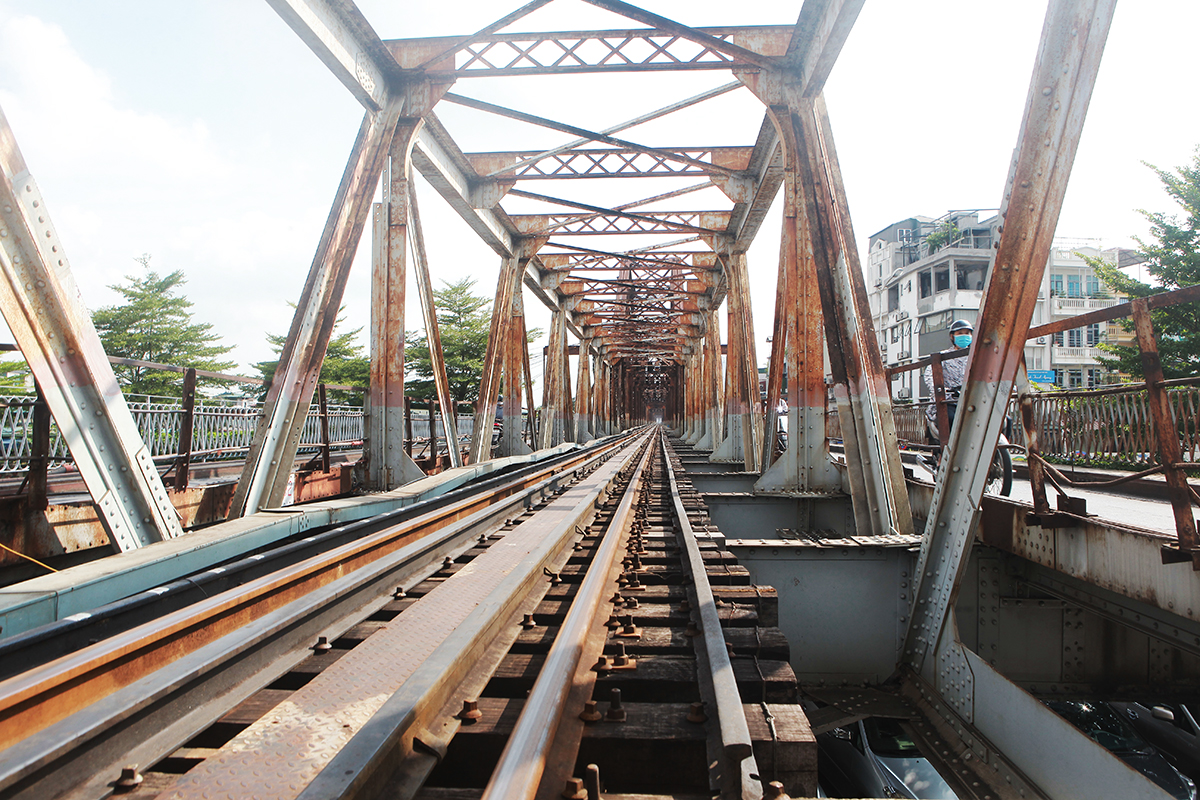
{"points": [[962, 340]]}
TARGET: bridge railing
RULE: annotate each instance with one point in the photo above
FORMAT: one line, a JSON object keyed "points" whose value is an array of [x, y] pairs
{"points": [[1152, 424], [221, 429]]}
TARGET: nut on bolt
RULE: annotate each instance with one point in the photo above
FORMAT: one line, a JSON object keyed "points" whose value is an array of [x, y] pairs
{"points": [[574, 789], [130, 779], [615, 712], [696, 713], [470, 713], [322, 645], [590, 712], [528, 623]]}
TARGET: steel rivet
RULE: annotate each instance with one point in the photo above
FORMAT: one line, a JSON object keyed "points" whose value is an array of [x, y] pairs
{"points": [[470, 713]]}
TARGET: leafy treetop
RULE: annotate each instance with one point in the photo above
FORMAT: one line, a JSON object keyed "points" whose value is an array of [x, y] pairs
{"points": [[154, 323], [1172, 256]]}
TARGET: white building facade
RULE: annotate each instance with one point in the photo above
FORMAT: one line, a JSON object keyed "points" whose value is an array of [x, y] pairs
{"points": [[923, 273]]}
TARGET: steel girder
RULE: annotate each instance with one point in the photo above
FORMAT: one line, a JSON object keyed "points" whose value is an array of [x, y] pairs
{"points": [[46, 315], [978, 699], [388, 464]]}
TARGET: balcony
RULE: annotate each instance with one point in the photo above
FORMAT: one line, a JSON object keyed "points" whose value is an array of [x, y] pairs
{"points": [[1063, 356], [1070, 306]]}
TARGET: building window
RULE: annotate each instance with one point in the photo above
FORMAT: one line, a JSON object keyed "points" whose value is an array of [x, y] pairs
{"points": [[1058, 339], [893, 298], [1074, 378], [1093, 334], [1093, 285], [1058, 377], [925, 283], [1075, 337], [971, 276], [1056, 285], [1073, 286], [1093, 377], [941, 279]]}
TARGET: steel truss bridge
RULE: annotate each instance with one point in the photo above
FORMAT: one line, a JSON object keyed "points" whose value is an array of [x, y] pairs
{"points": [[637, 594]]}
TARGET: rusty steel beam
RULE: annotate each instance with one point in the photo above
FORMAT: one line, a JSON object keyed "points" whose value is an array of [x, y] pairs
{"points": [[622, 50], [640, 120], [344, 41], [612, 162], [604, 224], [269, 461], [48, 320], [1165, 431], [1065, 72], [452, 176], [388, 463], [433, 335], [507, 286], [860, 385], [595, 136], [731, 49], [556, 377]]}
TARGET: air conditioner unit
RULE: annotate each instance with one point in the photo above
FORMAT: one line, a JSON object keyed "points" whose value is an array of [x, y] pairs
{"points": [[902, 315], [905, 354], [904, 393], [1041, 340]]}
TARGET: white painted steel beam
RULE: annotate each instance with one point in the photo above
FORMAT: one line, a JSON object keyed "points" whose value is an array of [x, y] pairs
{"points": [[44, 311], [263, 482], [343, 40]]}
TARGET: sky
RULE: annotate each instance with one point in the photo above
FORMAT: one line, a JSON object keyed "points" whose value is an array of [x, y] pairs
{"points": [[206, 134]]}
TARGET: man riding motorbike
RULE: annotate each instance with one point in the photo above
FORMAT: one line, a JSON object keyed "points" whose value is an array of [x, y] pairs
{"points": [[954, 373]]}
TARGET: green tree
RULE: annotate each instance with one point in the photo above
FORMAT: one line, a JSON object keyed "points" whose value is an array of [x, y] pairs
{"points": [[946, 233], [464, 319], [154, 323], [1172, 256], [345, 364], [14, 376]]}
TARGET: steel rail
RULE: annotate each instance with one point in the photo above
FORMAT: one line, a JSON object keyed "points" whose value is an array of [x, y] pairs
{"points": [[736, 743], [34, 701], [519, 771], [19, 652], [362, 765]]}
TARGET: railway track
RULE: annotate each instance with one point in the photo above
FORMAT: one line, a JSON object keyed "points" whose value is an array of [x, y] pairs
{"points": [[585, 633]]}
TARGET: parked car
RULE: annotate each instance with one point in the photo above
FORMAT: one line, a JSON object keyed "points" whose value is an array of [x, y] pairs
{"points": [[877, 758], [1172, 728], [1107, 728]]}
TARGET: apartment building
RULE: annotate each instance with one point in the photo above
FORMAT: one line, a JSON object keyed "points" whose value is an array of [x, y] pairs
{"points": [[924, 273]]}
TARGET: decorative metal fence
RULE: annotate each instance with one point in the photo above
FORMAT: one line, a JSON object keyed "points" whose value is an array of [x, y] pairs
{"points": [[221, 430], [1100, 427], [1111, 425]]}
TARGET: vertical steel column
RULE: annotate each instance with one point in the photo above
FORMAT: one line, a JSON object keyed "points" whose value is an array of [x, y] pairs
{"points": [[264, 479], [512, 441], [1068, 59], [1165, 430], [187, 424], [776, 366], [388, 465], [805, 466], [39, 456], [433, 335], [711, 388], [742, 420], [556, 374], [43, 309], [584, 421], [323, 410], [489, 383]]}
